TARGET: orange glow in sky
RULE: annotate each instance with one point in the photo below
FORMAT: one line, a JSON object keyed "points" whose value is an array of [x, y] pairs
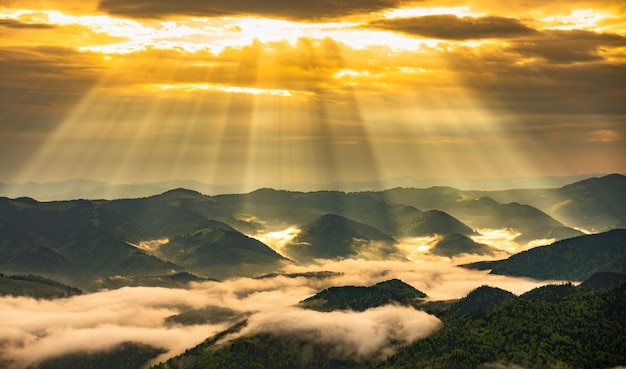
{"points": [[276, 92]]}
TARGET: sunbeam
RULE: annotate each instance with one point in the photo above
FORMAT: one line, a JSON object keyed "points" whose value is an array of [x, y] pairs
{"points": [[264, 100]]}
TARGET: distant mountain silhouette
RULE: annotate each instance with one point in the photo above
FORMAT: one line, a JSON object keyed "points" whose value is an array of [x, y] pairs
{"points": [[284, 208], [593, 204], [332, 236], [175, 280], [360, 298], [572, 259], [596, 204], [479, 210], [91, 189]]}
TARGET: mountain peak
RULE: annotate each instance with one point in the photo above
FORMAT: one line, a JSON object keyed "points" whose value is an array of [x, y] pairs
{"points": [[332, 236], [181, 191], [457, 244], [481, 300], [360, 298]]}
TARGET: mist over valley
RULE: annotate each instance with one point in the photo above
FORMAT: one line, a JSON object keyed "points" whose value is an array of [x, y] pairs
{"points": [[355, 278]]}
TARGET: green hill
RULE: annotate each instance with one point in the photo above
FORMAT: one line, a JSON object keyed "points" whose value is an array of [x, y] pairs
{"points": [[551, 292], [604, 280], [583, 331], [573, 259], [215, 249], [490, 328], [359, 298], [481, 301], [34, 286], [332, 236], [261, 351], [457, 244], [128, 355], [79, 242]]}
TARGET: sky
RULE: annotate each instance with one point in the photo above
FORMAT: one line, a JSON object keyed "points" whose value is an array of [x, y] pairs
{"points": [[283, 91]]}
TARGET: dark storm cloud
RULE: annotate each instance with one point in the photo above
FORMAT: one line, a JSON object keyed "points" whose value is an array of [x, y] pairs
{"points": [[290, 9], [10, 23], [565, 47], [451, 27]]}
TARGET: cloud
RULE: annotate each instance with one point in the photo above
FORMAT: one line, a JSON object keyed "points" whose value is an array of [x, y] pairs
{"points": [[300, 10], [451, 27], [10, 23], [34, 330], [162, 108], [39, 85], [566, 47], [351, 335]]}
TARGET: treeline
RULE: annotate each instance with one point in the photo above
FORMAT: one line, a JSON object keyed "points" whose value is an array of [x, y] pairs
{"points": [[558, 326], [128, 355], [35, 286], [586, 330]]}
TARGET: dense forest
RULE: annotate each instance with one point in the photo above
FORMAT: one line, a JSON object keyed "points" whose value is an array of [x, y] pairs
{"points": [[559, 326]]}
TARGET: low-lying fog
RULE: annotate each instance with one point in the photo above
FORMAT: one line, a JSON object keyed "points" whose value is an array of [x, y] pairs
{"points": [[34, 330]]}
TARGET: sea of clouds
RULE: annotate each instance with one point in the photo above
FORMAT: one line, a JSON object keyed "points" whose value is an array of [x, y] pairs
{"points": [[35, 330]]}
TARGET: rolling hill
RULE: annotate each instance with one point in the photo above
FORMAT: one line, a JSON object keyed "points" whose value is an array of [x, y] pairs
{"points": [[333, 237], [284, 208], [218, 250], [35, 286], [481, 301], [573, 259], [78, 242], [359, 298], [458, 244], [595, 204], [489, 328], [480, 211]]}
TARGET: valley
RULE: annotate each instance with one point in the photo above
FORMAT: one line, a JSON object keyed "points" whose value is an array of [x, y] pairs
{"points": [[328, 279]]}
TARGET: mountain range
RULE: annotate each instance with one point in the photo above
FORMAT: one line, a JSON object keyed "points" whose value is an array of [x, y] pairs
{"points": [[91, 189], [78, 242], [181, 236]]}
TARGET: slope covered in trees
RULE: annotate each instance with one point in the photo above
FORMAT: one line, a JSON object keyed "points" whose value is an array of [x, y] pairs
{"points": [[573, 259], [586, 330], [359, 298], [545, 328]]}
